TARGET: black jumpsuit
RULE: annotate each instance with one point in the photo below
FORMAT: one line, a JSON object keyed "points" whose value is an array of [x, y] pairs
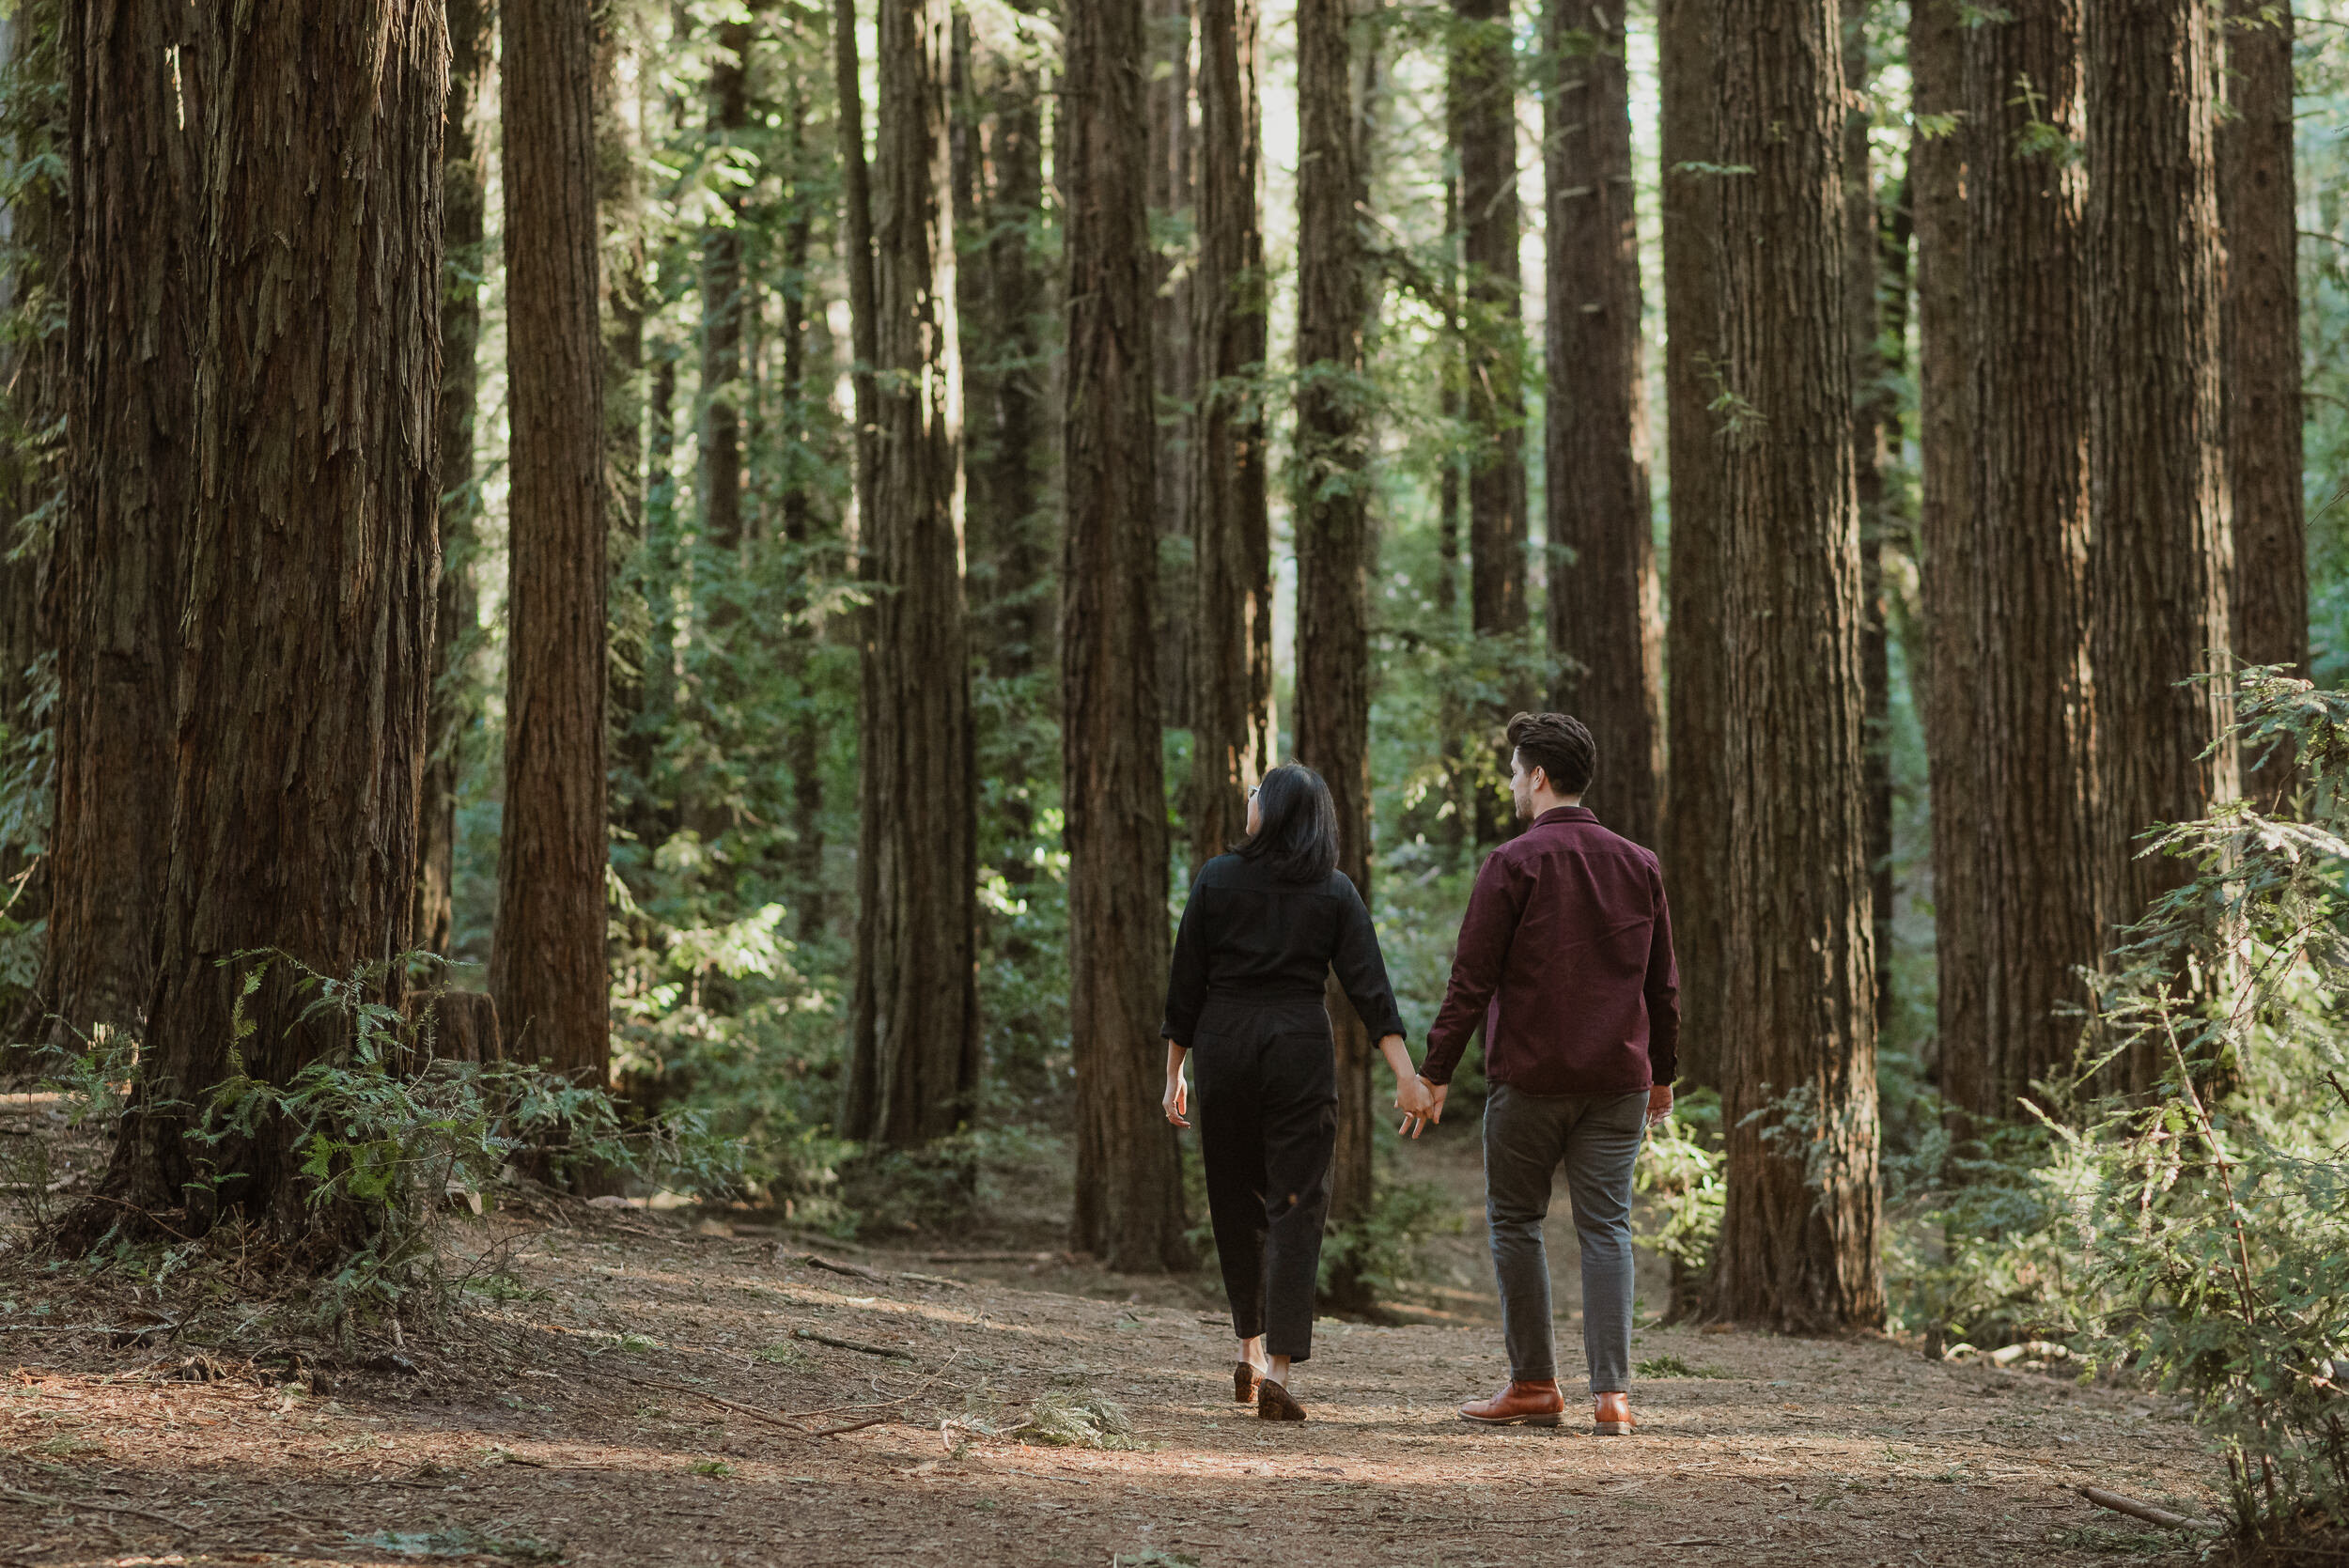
{"points": [[1245, 994]]}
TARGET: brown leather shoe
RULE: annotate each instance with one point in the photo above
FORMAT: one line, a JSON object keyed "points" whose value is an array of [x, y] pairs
{"points": [[1612, 1417], [1519, 1405], [1244, 1380], [1276, 1403]]}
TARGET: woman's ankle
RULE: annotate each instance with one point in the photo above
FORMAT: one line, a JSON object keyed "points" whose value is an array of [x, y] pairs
{"points": [[1277, 1371]]}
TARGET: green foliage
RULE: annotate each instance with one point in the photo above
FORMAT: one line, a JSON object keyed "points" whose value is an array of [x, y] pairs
{"points": [[1681, 1166], [1672, 1366], [1386, 1247]]}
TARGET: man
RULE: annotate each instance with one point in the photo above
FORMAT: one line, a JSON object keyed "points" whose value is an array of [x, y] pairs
{"points": [[1566, 956]]}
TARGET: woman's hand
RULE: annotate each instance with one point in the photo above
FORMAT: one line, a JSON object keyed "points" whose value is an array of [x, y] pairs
{"points": [[1417, 1104], [1177, 1099]]}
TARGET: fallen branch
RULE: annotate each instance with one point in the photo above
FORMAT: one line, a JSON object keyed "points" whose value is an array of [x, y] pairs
{"points": [[731, 1404], [853, 1271], [852, 1426], [2145, 1510], [989, 1257], [91, 1505], [857, 1345]]}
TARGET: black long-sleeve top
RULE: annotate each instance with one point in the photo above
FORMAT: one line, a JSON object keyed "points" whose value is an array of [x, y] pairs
{"points": [[1248, 937]]}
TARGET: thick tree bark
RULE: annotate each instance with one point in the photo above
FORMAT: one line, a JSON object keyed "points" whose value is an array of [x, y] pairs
{"points": [[2160, 545], [1129, 1203], [2257, 213], [310, 566], [627, 297], [1948, 577], [1230, 615], [464, 200], [1333, 546], [1696, 819], [1174, 355], [1874, 424], [547, 963], [2028, 794], [913, 1058], [131, 311], [1798, 1244], [1482, 110], [1605, 615]]}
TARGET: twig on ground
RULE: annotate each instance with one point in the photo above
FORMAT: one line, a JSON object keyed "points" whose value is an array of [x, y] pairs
{"points": [[91, 1505], [838, 1409], [853, 1271], [852, 1426], [2145, 1510], [731, 1404], [857, 1345]]}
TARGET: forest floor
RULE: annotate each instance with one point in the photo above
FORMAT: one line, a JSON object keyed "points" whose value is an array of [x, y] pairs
{"points": [[681, 1387]]}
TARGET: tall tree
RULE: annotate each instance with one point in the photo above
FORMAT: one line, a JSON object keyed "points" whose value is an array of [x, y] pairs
{"points": [[1799, 1244], [310, 563], [2159, 548], [1606, 628], [627, 299], [804, 743], [1947, 576], [914, 1022], [135, 177], [724, 292], [1333, 546], [1874, 424], [547, 962], [1130, 1209], [1482, 91], [1173, 354], [1696, 817], [464, 201], [2028, 791], [856, 259], [1230, 613], [2257, 212]]}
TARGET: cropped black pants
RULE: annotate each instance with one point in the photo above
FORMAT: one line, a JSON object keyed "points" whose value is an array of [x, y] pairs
{"points": [[1268, 1082]]}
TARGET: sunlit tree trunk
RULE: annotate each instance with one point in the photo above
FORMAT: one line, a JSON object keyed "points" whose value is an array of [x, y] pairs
{"points": [[294, 820], [1129, 1205], [913, 1058], [1606, 621], [1799, 1234], [547, 964]]}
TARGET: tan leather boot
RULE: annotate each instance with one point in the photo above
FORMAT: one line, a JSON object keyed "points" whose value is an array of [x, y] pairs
{"points": [[1612, 1417], [1519, 1405]]}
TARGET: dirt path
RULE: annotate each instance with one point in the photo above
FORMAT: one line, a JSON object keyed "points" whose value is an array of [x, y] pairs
{"points": [[580, 1416]]}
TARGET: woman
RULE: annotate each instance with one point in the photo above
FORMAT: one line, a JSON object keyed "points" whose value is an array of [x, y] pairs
{"points": [[1265, 924]]}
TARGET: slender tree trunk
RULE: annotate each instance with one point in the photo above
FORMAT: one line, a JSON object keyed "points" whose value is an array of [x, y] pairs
{"points": [[914, 1027], [1875, 424], [2160, 545], [1799, 1244], [722, 295], [1334, 553], [1696, 822], [2257, 211], [2028, 794], [295, 819], [627, 298], [1483, 109], [1949, 576], [856, 245], [130, 315], [547, 964], [464, 198], [1454, 829], [1129, 1202], [1606, 621], [1231, 614], [803, 741], [1173, 353]]}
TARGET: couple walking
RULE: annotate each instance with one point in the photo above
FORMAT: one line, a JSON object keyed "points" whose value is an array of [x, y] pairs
{"points": [[1565, 957]]}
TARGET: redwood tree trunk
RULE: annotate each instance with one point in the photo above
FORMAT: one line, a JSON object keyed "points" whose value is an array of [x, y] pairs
{"points": [[915, 1026], [724, 292], [310, 577], [1483, 108], [1130, 1200], [464, 200], [2257, 212], [856, 247], [1948, 577], [547, 964], [1173, 354], [1333, 549], [133, 311], [2026, 795], [1696, 820], [627, 296], [2160, 544], [1605, 616], [1230, 615], [1798, 1244]]}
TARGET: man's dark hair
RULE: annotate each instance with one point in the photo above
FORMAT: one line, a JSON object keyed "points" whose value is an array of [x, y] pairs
{"points": [[1559, 745], [1297, 826]]}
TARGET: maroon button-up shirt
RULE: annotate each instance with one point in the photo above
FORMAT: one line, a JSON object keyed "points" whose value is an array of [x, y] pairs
{"points": [[1566, 956]]}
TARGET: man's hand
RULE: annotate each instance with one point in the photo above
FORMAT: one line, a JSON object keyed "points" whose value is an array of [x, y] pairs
{"points": [[1659, 1104], [1177, 1099], [1436, 1093]]}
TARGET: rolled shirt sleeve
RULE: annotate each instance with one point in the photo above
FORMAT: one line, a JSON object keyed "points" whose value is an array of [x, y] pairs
{"points": [[1662, 988]]}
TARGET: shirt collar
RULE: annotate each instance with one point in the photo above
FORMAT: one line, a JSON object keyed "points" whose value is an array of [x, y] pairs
{"points": [[1565, 813]]}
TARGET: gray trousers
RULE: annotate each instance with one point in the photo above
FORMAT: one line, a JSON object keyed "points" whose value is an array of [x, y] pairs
{"points": [[1598, 1138]]}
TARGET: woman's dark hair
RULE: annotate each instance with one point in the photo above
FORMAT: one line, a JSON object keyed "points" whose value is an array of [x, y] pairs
{"points": [[1297, 826]]}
